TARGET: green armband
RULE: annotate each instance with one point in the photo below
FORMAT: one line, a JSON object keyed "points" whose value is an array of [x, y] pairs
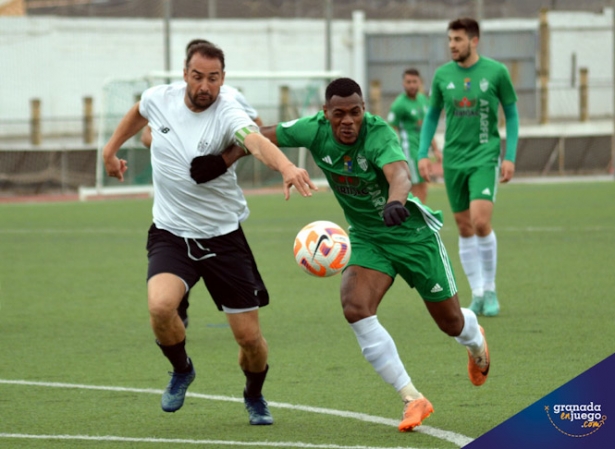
{"points": [[240, 136]]}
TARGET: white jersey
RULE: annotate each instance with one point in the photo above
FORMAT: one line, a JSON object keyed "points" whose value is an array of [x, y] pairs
{"points": [[181, 206]]}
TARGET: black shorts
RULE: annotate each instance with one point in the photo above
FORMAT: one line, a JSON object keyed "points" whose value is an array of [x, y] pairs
{"points": [[225, 263]]}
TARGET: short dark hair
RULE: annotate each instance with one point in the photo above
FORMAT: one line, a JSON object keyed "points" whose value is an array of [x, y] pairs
{"points": [[196, 42], [206, 49], [412, 71], [465, 23], [342, 87]]}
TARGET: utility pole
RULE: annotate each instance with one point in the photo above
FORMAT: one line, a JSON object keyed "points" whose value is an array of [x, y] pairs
{"points": [[479, 10], [328, 19], [212, 11], [168, 12]]}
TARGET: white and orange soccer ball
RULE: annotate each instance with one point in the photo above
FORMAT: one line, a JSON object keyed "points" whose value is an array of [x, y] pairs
{"points": [[322, 248]]}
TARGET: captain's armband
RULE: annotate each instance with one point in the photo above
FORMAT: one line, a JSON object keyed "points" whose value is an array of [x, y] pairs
{"points": [[240, 136]]}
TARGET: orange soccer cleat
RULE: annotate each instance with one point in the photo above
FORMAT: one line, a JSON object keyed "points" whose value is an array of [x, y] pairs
{"points": [[478, 367], [414, 413]]}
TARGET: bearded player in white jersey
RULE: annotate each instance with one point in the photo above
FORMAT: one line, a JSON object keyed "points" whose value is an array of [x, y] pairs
{"points": [[196, 231], [146, 140]]}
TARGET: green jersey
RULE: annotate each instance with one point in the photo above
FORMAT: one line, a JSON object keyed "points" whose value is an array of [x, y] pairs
{"points": [[354, 173], [407, 115], [470, 97]]}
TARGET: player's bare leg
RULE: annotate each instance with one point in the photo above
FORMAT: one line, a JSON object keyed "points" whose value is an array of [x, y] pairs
{"points": [[253, 352], [164, 293]]}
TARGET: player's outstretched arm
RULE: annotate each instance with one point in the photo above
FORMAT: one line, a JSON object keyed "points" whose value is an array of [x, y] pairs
{"points": [[265, 151], [210, 166], [130, 125]]}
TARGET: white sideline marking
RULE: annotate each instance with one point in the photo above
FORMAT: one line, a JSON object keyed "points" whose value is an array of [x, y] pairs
{"points": [[184, 441], [452, 437]]}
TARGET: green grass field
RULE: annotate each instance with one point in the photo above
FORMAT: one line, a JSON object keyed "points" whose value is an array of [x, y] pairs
{"points": [[79, 367]]}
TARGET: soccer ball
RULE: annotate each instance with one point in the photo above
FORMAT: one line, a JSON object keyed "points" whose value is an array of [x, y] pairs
{"points": [[322, 248]]}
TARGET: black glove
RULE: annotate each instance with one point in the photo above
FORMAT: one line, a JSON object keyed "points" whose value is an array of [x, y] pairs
{"points": [[208, 167], [395, 213]]}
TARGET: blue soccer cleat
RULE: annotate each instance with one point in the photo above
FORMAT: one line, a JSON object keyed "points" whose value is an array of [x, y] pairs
{"points": [[258, 411], [175, 393]]}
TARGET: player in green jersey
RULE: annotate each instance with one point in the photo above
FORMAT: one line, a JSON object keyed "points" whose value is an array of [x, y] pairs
{"points": [[391, 233], [406, 117], [470, 88]]}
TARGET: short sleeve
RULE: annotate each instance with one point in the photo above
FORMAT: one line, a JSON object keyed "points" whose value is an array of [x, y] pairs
{"points": [[385, 145], [297, 133]]}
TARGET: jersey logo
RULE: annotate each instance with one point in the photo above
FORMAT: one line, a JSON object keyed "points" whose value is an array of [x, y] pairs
{"points": [[164, 129], [348, 164], [486, 191], [202, 146], [436, 288], [466, 107], [327, 159], [484, 85], [348, 185], [450, 85], [362, 162], [347, 180], [465, 103], [321, 239], [467, 84]]}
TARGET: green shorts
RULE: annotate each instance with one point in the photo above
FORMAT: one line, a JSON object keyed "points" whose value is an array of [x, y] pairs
{"points": [[469, 184], [413, 165], [424, 264]]}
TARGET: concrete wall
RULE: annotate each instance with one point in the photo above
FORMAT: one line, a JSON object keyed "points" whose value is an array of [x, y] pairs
{"points": [[61, 60], [588, 38]]}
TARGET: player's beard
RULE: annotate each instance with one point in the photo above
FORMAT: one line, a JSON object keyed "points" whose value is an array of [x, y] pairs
{"points": [[201, 100], [412, 92], [463, 56]]}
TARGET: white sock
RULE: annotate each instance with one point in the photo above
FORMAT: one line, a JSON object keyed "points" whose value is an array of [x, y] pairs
{"points": [[471, 263], [379, 349], [470, 336], [488, 249]]}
